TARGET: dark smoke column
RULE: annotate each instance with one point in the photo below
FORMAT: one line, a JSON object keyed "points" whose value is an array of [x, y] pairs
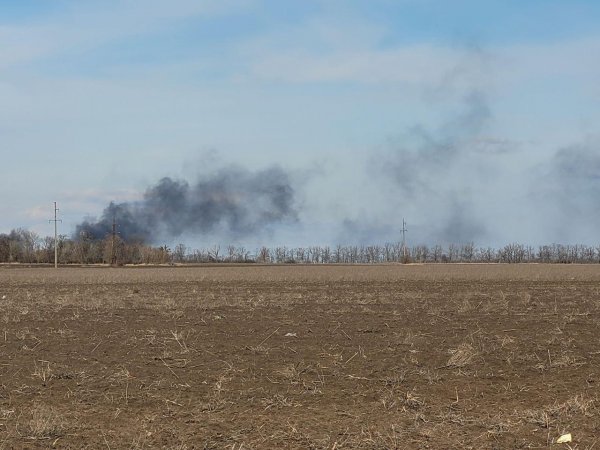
{"points": [[233, 201]]}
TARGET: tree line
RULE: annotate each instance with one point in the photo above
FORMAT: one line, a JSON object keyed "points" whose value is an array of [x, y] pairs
{"points": [[27, 247]]}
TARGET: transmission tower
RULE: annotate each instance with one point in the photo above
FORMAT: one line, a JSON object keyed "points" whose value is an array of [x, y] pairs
{"points": [[55, 220], [404, 230]]}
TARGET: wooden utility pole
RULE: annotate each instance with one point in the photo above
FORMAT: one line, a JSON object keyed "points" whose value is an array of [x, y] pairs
{"points": [[113, 255], [55, 220], [404, 230]]}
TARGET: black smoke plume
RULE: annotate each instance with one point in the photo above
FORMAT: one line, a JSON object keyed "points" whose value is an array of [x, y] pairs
{"points": [[233, 201]]}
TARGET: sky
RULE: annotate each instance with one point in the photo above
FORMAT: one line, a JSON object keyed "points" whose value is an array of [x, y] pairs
{"points": [[475, 121]]}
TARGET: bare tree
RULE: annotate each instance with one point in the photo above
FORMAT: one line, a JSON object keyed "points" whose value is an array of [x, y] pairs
{"points": [[264, 255], [213, 253], [179, 253]]}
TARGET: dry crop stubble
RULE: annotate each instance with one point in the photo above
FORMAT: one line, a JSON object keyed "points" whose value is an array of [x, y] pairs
{"points": [[377, 356]]}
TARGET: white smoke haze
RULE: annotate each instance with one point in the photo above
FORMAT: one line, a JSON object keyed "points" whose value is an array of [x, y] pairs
{"points": [[460, 182], [567, 192]]}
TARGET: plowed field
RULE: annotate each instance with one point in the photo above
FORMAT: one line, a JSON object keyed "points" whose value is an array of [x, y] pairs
{"points": [[242, 357]]}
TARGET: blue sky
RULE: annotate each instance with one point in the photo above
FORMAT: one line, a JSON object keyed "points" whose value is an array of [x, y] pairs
{"points": [[100, 99]]}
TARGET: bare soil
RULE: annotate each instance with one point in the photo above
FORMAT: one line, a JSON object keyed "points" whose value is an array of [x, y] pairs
{"points": [[331, 357]]}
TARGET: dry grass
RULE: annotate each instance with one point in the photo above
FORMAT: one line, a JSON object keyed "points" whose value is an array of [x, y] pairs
{"points": [[42, 371], [45, 423], [461, 356]]}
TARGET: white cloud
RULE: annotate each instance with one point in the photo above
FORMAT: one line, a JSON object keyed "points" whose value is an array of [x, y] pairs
{"points": [[425, 63], [88, 25], [572, 59], [419, 64], [24, 43], [332, 49], [83, 200], [100, 196], [37, 213]]}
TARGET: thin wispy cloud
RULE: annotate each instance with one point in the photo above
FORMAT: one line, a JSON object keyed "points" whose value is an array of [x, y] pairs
{"points": [[85, 26]]}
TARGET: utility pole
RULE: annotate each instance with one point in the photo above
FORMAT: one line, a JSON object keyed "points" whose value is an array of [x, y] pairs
{"points": [[113, 256], [55, 220], [404, 230]]}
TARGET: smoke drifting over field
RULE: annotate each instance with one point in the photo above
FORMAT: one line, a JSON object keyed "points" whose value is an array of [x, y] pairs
{"points": [[572, 181], [433, 152], [453, 183], [577, 168], [234, 201], [427, 169], [457, 179]]}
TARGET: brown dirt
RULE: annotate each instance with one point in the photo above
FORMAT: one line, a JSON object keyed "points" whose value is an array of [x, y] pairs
{"points": [[443, 356]]}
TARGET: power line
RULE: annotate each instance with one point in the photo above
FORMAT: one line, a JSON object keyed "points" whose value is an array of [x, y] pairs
{"points": [[55, 220]]}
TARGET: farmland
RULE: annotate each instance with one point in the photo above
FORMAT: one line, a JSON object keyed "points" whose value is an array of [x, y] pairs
{"points": [[300, 356]]}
